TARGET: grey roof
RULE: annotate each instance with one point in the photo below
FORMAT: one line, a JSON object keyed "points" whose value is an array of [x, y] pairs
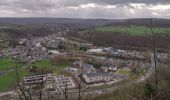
{"points": [[98, 74], [106, 65], [87, 65]]}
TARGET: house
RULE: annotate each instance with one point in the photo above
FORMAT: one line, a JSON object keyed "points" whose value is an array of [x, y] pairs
{"points": [[87, 68], [97, 77], [84, 67], [107, 68], [87, 46], [112, 68], [51, 52], [109, 49], [22, 41], [98, 50], [77, 64]]}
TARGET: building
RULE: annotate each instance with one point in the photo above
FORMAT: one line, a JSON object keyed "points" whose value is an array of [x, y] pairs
{"points": [[107, 68], [97, 77], [50, 82], [87, 68], [113, 68], [32, 81], [83, 67], [77, 64], [98, 50], [87, 46]]}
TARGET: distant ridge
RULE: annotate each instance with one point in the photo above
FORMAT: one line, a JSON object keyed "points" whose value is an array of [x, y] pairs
{"points": [[158, 22], [55, 21]]}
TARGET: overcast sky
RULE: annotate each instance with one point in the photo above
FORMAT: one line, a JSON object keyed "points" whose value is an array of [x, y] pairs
{"points": [[112, 9]]}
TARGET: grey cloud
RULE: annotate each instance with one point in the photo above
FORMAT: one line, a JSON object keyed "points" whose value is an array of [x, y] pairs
{"points": [[29, 4], [132, 1], [59, 8], [41, 4]]}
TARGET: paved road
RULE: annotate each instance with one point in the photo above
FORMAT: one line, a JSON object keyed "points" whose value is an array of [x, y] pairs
{"points": [[7, 93]]}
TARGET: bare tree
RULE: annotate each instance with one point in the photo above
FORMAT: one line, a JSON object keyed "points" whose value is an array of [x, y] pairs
{"points": [[65, 91], [154, 52], [26, 91], [22, 92], [41, 87], [79, 92]]}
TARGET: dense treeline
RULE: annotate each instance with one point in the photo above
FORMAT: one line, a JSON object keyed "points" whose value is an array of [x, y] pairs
{"points": [[122, 39], [25, 31], [143, 22]]}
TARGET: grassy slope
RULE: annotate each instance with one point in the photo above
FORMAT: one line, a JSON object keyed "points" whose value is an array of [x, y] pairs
{"points": [[7, 64], [132, 30], [44, 63], [50, 65], [9, 81]]}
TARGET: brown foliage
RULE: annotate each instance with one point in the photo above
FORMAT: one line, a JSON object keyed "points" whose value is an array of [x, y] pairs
{"points": [[60, 60]]}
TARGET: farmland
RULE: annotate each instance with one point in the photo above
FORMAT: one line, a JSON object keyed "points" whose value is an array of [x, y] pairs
{"points": [[132, 30], [138, 37]]}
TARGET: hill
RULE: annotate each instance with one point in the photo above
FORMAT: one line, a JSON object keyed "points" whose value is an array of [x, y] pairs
{"points": [[54, 21], [92, 22], [128, 33], [124, 32], [157, 22]]}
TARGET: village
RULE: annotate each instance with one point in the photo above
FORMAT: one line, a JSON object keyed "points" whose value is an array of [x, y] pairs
{"points": [[92, 66]]}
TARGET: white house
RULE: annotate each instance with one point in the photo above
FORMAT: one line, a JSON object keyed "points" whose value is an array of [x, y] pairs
{"points": [[107, 68], [95, 50], [97, 77], [113, 68], [53, 52]]}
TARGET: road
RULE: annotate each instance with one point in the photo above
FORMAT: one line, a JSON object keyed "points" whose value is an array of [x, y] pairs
{"points": [[7, 93]]}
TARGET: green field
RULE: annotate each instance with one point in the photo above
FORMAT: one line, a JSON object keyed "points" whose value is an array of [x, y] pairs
{"points": [[9, 81], [123, 71], [132, 30], [49, 64], [45, 63], [7, 64]]}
